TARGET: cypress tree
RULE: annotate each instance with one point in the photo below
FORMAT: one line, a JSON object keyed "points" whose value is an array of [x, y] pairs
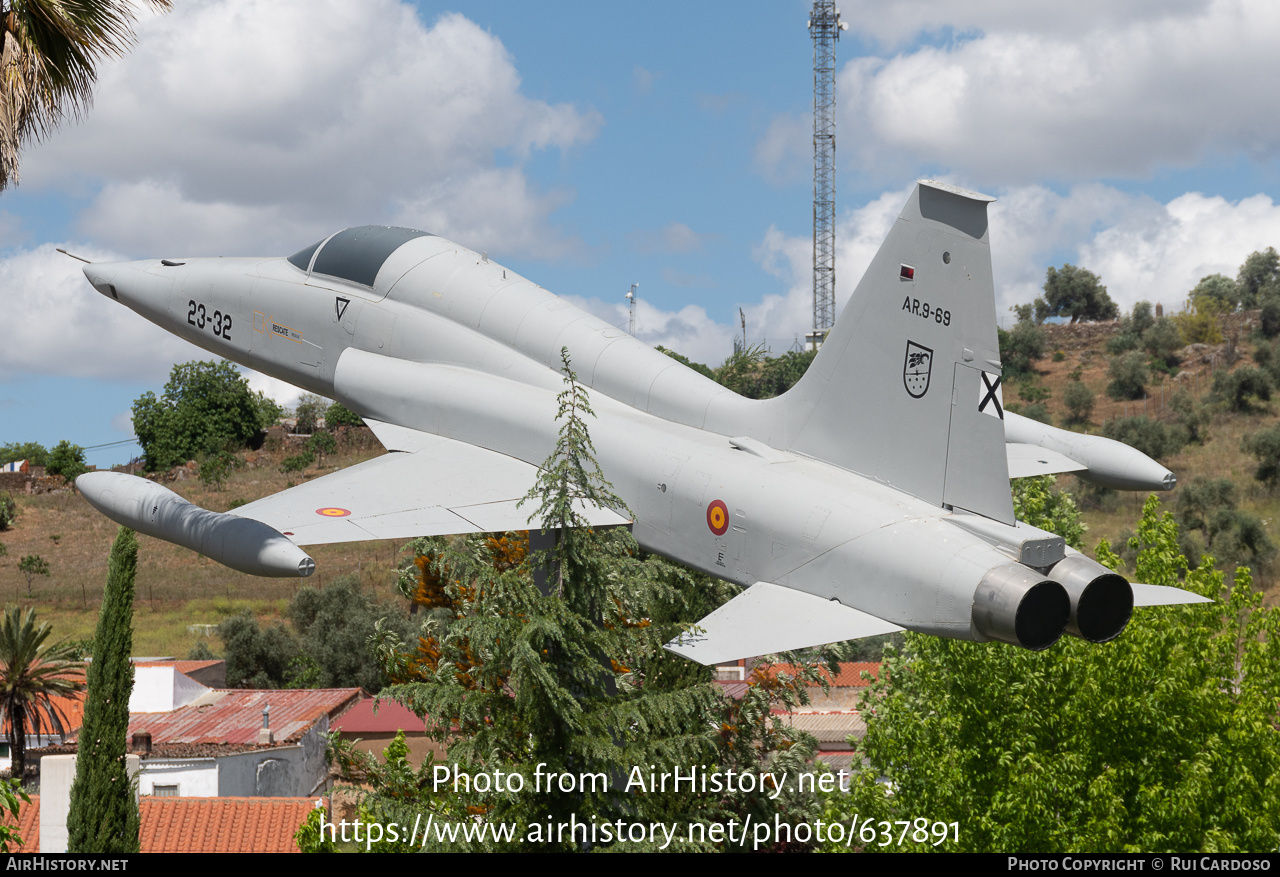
{"points": [[104, 811]]}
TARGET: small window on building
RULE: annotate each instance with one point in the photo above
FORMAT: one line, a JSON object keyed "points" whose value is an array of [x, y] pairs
{"points": [[4, 750], [165, 791]]}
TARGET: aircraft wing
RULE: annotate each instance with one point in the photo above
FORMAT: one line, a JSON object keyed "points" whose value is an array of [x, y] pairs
{"points": [[1026, 461], [768, 618], [1163, 595], [427, 486]]}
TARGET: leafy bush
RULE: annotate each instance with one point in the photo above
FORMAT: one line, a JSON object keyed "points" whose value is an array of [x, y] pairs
{"points": [[256, 658], [338, 414], [1265, 445], [1128, 376], [1163, 341], [8, 510], [1239, 389], [34, 452], [66, 460], [1079, 400], [308, 411], [207, 407], [1020, 348], [1155, 439]]}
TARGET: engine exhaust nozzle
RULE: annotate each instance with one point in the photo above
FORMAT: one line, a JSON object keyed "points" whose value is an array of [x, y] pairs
{"points": [[1101, 600], [1017, 605]]}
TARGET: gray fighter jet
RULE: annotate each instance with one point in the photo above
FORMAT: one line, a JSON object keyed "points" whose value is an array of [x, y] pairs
{"points": [[872, 497]]}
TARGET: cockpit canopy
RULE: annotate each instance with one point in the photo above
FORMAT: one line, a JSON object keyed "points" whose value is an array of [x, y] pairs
{"points": [[354, 254]]}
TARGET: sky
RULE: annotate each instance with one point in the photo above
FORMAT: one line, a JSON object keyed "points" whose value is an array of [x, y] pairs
{"points": [[590, 146]]}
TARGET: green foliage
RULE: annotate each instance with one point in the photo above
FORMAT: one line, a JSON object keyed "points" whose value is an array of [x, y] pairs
{"points": [[33, 565], [1163, 341], [1217, 293], [1128, 376], [1155, 439], [1035, 411], [322, 442], [1076, 293], [1038, 502], [66, 460], [1258, 277], [1162, 740], [1191, 417], [296, 463], [104, 813], [1269, 320], [1242, 389], [1079, 401], [573, 680], [1032, 390], [217, 467], [333, 626], [207, 408], [8, 510], [32, 674], [308, 412], [33, 452], [338, 414], [1020, 348], [256, 658], [743, 372], [1265, 445], [701, 369], [1129, 335], [1199, 321], [12, 797], [310, 838]]}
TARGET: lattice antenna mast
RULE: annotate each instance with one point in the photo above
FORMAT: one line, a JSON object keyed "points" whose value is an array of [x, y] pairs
{"points": [[824, 27]]}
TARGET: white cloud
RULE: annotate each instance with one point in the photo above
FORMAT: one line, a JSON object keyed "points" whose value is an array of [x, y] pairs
{"points": [[1030, 92], [250, 120], [57, 324]]}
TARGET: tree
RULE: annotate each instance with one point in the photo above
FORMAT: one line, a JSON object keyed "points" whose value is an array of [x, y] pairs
{"points": [[48, 55], [1076, 293], [338, 414], [1259, 276], [104, 813], [66, 460], [31, 676], [1079, 400], [207, 408], [1155, 439], [1128, 376], [333, 626], [33, 565], [1216, 292], [256, 658], [8, 510], [307, 413], [1238, 389], [1265, 445], [573, 681], [34, 452], [1161, 740], [1020, 348]]}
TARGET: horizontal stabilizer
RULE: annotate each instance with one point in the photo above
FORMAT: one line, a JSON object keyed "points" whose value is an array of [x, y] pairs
{"points": [[1163, 595], [1027, 461], [768, 618], [440, 487]]}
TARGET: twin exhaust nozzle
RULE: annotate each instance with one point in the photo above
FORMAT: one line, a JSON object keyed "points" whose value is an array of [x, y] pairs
{"points": [[1018, 605]]}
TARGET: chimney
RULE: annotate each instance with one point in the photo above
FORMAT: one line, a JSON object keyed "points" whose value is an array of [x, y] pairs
{"points": [[141, 743], [265, 737]]}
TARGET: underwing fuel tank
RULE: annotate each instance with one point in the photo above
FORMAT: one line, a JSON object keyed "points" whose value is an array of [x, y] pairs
{"points": [[242, 544]]}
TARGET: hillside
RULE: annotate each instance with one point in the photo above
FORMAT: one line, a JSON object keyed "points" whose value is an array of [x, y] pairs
{"points": [[178, 590]]}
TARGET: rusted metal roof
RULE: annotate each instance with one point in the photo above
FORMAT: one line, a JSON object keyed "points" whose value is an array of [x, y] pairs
{"points": [[235, 716]]}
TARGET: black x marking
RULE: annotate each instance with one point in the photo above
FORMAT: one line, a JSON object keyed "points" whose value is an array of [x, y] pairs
{"points": [[991, 395]]}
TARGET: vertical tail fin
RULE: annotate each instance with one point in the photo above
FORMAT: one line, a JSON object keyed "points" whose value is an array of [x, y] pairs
{"points": [[906, 388]]}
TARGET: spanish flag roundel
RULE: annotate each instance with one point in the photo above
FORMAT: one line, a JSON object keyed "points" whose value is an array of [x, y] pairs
{"points": [[718, 517], [333, 512]]}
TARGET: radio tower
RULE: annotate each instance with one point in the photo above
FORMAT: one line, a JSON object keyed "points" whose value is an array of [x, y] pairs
{"points": [[824, 27]]}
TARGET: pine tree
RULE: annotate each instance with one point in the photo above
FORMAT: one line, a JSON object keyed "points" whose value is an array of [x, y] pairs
{"points": [[573, 682], [104, 811]]}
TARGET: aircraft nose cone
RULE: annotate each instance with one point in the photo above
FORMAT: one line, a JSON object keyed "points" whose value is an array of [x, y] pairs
{"points": [[100, 275]]}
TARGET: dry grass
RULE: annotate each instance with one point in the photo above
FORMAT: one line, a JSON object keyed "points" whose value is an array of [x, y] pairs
{"points": [[177, 589], [1220, 456]]}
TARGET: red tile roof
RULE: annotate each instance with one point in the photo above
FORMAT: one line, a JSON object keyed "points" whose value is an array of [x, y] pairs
{"points": [[222, 825], [237, 716], [850, 675], [70, 708], [389, 718], [200, 825]]}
